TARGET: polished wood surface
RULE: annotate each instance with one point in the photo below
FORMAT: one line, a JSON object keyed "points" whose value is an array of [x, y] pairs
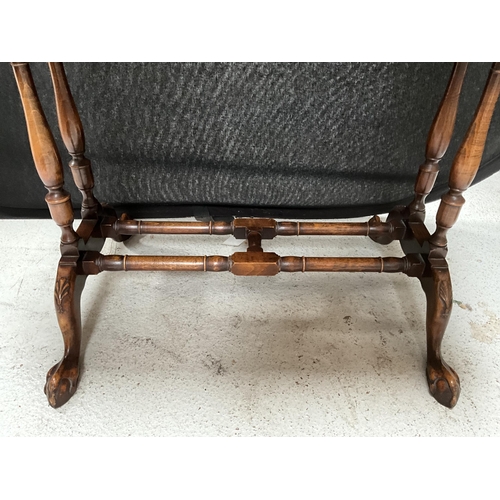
{"points": [[250, 263], [438, 140], [62, 378], [424, 259], [45, 155], [443, 381], [73, 137], [268, 228], [466, 162]]}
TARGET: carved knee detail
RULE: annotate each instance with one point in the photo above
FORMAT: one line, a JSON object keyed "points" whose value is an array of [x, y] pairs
{"points": [[62, 379]]}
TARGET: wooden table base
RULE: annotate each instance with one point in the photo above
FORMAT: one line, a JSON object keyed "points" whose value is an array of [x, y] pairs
{"points": [[425, 253]]}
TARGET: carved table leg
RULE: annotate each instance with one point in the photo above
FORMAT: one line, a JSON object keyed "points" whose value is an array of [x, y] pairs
{"points": [[444, 383], [62, 379]]}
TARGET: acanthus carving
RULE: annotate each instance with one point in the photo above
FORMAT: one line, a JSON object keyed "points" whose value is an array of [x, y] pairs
{"points": [[61, 291], [444, 293]]}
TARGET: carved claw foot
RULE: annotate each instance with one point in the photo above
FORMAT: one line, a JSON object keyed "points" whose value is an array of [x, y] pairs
{"points": [[62, 381], [444, 384]]}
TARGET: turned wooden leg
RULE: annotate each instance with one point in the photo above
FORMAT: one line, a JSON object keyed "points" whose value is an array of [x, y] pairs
{"points": [[438, 141], [444, 383], [62, 379], [466, 164], [46, 158], [73, 137]]}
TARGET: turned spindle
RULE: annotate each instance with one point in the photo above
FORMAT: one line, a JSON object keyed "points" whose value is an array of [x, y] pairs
{"points": [[466, 163], [438, 140], [73, 137], [252, 263], [46, 156], [254, 242]]}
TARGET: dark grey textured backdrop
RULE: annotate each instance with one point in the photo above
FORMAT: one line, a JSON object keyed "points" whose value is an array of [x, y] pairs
{"points": [[340, 139]]}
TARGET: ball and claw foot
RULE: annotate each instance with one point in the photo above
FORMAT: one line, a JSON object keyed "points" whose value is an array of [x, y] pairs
{"points": [[444, 384], [62, 381]]}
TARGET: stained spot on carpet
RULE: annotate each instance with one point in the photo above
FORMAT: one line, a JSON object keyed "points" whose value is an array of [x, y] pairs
{"points": [[486, 332]]}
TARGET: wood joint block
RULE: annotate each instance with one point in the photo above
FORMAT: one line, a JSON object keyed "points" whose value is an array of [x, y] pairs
{"points": [[266, 228], [255, 263], [90, 263]]}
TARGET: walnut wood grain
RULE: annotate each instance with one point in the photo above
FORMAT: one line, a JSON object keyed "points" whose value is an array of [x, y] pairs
{"points": [[466, 163], [132, 227], [73, 137], [160, 263], [438, 140], [62, 378], [344, 264], [444, 383], [268, 228], [254, 242], [46, 157], [249, 263]]}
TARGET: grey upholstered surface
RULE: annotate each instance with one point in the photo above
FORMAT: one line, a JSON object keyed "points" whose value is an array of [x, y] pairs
{"points": [[336, 137]]}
